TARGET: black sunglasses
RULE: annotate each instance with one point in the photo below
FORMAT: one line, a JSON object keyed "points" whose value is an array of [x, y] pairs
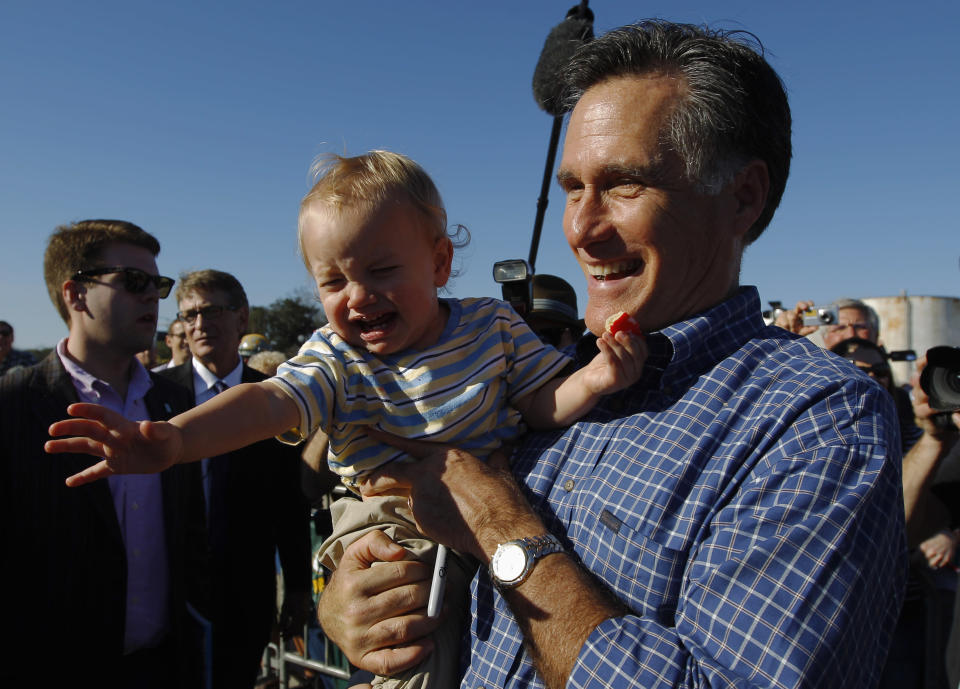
{"points": [[135, 280]]}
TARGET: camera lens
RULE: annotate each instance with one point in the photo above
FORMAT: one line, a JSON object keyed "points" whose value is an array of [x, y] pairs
{"points": [[941, 378], [826, 316]]}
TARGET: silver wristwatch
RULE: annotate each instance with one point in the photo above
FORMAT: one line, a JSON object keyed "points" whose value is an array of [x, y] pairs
{"points": [[514, 560]]}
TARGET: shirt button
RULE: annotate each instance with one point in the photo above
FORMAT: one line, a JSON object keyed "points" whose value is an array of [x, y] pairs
{"points": [[568, 485], [135, 506], [136, 552]]}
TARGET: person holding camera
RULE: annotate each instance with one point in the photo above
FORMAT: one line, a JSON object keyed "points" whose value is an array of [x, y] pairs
{"points": [[855, 318], [931, 499]]}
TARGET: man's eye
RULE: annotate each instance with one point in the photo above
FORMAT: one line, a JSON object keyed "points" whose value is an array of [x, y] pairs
{"points": [[628, 187], [334, 283], [384, 270]]}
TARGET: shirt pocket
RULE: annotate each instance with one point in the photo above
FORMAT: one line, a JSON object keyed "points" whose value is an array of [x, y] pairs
{"points": [[642, 572]]}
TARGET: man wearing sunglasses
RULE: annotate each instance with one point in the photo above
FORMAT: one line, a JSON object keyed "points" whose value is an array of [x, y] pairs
{"points": [[95, 582], [255, 507]]}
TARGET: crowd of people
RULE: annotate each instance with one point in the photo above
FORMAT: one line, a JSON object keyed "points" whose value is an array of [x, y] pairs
{"points": [[714, 502]]}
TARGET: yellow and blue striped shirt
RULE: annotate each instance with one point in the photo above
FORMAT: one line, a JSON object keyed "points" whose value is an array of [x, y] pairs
{"points": [[458, 391]]}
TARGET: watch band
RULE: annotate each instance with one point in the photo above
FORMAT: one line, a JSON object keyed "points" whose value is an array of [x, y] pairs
{"points": [[533, 549]]}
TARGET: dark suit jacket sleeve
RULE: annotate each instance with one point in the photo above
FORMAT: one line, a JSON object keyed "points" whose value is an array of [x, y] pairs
{"points": [[293, 521], [290, 507]]}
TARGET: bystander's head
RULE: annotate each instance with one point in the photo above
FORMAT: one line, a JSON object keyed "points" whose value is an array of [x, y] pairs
{"points": [[176, 340], [9, 357], [854, 319]]}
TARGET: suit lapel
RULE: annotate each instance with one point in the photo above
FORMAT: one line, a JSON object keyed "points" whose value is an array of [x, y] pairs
{"points": [[51, 393]]}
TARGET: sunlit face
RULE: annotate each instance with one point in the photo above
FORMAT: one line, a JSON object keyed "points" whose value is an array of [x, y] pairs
{"points": [[176, 340], [851, 322], [377, 275], [647, 241], [110, 316], [214, 340]]}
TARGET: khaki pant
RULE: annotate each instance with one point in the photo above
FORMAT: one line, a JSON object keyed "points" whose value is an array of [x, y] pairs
{"points": [[352, 519]]}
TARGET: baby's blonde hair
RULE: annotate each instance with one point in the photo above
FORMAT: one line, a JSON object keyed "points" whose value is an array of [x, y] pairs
{"points": [[366, 182]]}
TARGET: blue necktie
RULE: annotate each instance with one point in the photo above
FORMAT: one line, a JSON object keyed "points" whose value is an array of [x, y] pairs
{"points": [[214, 472]]}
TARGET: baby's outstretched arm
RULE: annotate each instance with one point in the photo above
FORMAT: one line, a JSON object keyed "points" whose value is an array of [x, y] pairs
{"points": [[233, 419], [564, 400]]}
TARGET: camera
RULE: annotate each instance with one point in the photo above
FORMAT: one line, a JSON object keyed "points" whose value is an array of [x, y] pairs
{"points": [[941, 378], [820, 315], [514, 276]]}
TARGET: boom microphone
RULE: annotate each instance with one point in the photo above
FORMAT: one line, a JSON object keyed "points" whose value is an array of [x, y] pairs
{"points": [[564, 39]]}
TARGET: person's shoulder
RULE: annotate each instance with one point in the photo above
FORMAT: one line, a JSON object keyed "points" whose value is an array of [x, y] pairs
{"points": [[774, 347], [795, 377], [23, 376], [22, 358], [170, 384]]}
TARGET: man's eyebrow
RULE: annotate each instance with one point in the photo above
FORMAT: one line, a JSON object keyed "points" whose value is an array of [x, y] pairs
{"points": [[650, 174], [565, 176]]}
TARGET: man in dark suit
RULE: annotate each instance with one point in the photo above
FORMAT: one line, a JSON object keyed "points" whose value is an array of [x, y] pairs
{"points": [[95, 579], [254, 502]]}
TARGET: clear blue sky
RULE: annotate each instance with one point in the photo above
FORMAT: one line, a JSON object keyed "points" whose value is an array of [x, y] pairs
{"points": [[199, 121]]}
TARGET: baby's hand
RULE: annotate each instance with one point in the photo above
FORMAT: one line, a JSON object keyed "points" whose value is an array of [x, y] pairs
{"points": [[623, 352], [128, 447]]}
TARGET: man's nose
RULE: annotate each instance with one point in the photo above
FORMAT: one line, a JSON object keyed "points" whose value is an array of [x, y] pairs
{"points": [[587, 220]]}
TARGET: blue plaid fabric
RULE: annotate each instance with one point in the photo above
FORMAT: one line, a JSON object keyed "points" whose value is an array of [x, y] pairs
{"points": [[743, 501]]}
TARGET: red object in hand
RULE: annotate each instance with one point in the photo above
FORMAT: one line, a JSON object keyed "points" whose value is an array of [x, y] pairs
{"points": [[623, 321]]}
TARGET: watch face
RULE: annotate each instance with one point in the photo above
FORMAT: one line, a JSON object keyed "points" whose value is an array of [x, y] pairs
{"points": [[509, 562]]}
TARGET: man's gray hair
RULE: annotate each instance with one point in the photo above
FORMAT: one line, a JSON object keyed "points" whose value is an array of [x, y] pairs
{"points": [[873, 318], [734, 109]]}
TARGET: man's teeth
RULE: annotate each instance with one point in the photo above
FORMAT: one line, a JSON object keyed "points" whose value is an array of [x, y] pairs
{"points": [[602, 272]]}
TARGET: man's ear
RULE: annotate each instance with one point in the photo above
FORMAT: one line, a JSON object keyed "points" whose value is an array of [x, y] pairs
{"points": [[243, 318], [442, 261], [74, 295], [750, 188]]}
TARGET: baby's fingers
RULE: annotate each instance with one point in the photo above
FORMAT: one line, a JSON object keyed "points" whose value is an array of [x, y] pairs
{"points": [[92, 430], [90, 474]]}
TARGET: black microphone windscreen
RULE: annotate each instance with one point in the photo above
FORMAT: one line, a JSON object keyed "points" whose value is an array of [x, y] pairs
{"points": [[561, 43]]}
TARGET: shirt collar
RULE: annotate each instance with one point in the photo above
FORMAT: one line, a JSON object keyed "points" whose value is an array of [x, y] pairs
{"points": [[698, 343], [208, 379], [91, 387], [687, 349]]}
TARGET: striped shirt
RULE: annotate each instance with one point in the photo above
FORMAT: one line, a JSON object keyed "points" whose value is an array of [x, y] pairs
{"points": [[742, 501], [458, 391]]}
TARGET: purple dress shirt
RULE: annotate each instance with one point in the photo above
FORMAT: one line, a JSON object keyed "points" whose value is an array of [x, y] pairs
{"points": [[138, 502]]}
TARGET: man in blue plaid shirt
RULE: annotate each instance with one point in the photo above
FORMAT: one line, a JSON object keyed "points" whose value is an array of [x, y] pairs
{"points": [[735, 518]]}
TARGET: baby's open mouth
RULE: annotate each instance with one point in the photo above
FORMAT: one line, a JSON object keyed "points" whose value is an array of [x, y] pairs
{"points": [[376, 323]]}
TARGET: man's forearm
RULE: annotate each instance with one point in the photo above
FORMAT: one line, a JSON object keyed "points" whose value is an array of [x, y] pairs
{"points": [[919, 466], [557, 609], [558, 606]]}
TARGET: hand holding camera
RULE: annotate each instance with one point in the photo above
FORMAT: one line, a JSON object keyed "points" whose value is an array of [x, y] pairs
{"points": [[804, 318], [936, 391]]}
